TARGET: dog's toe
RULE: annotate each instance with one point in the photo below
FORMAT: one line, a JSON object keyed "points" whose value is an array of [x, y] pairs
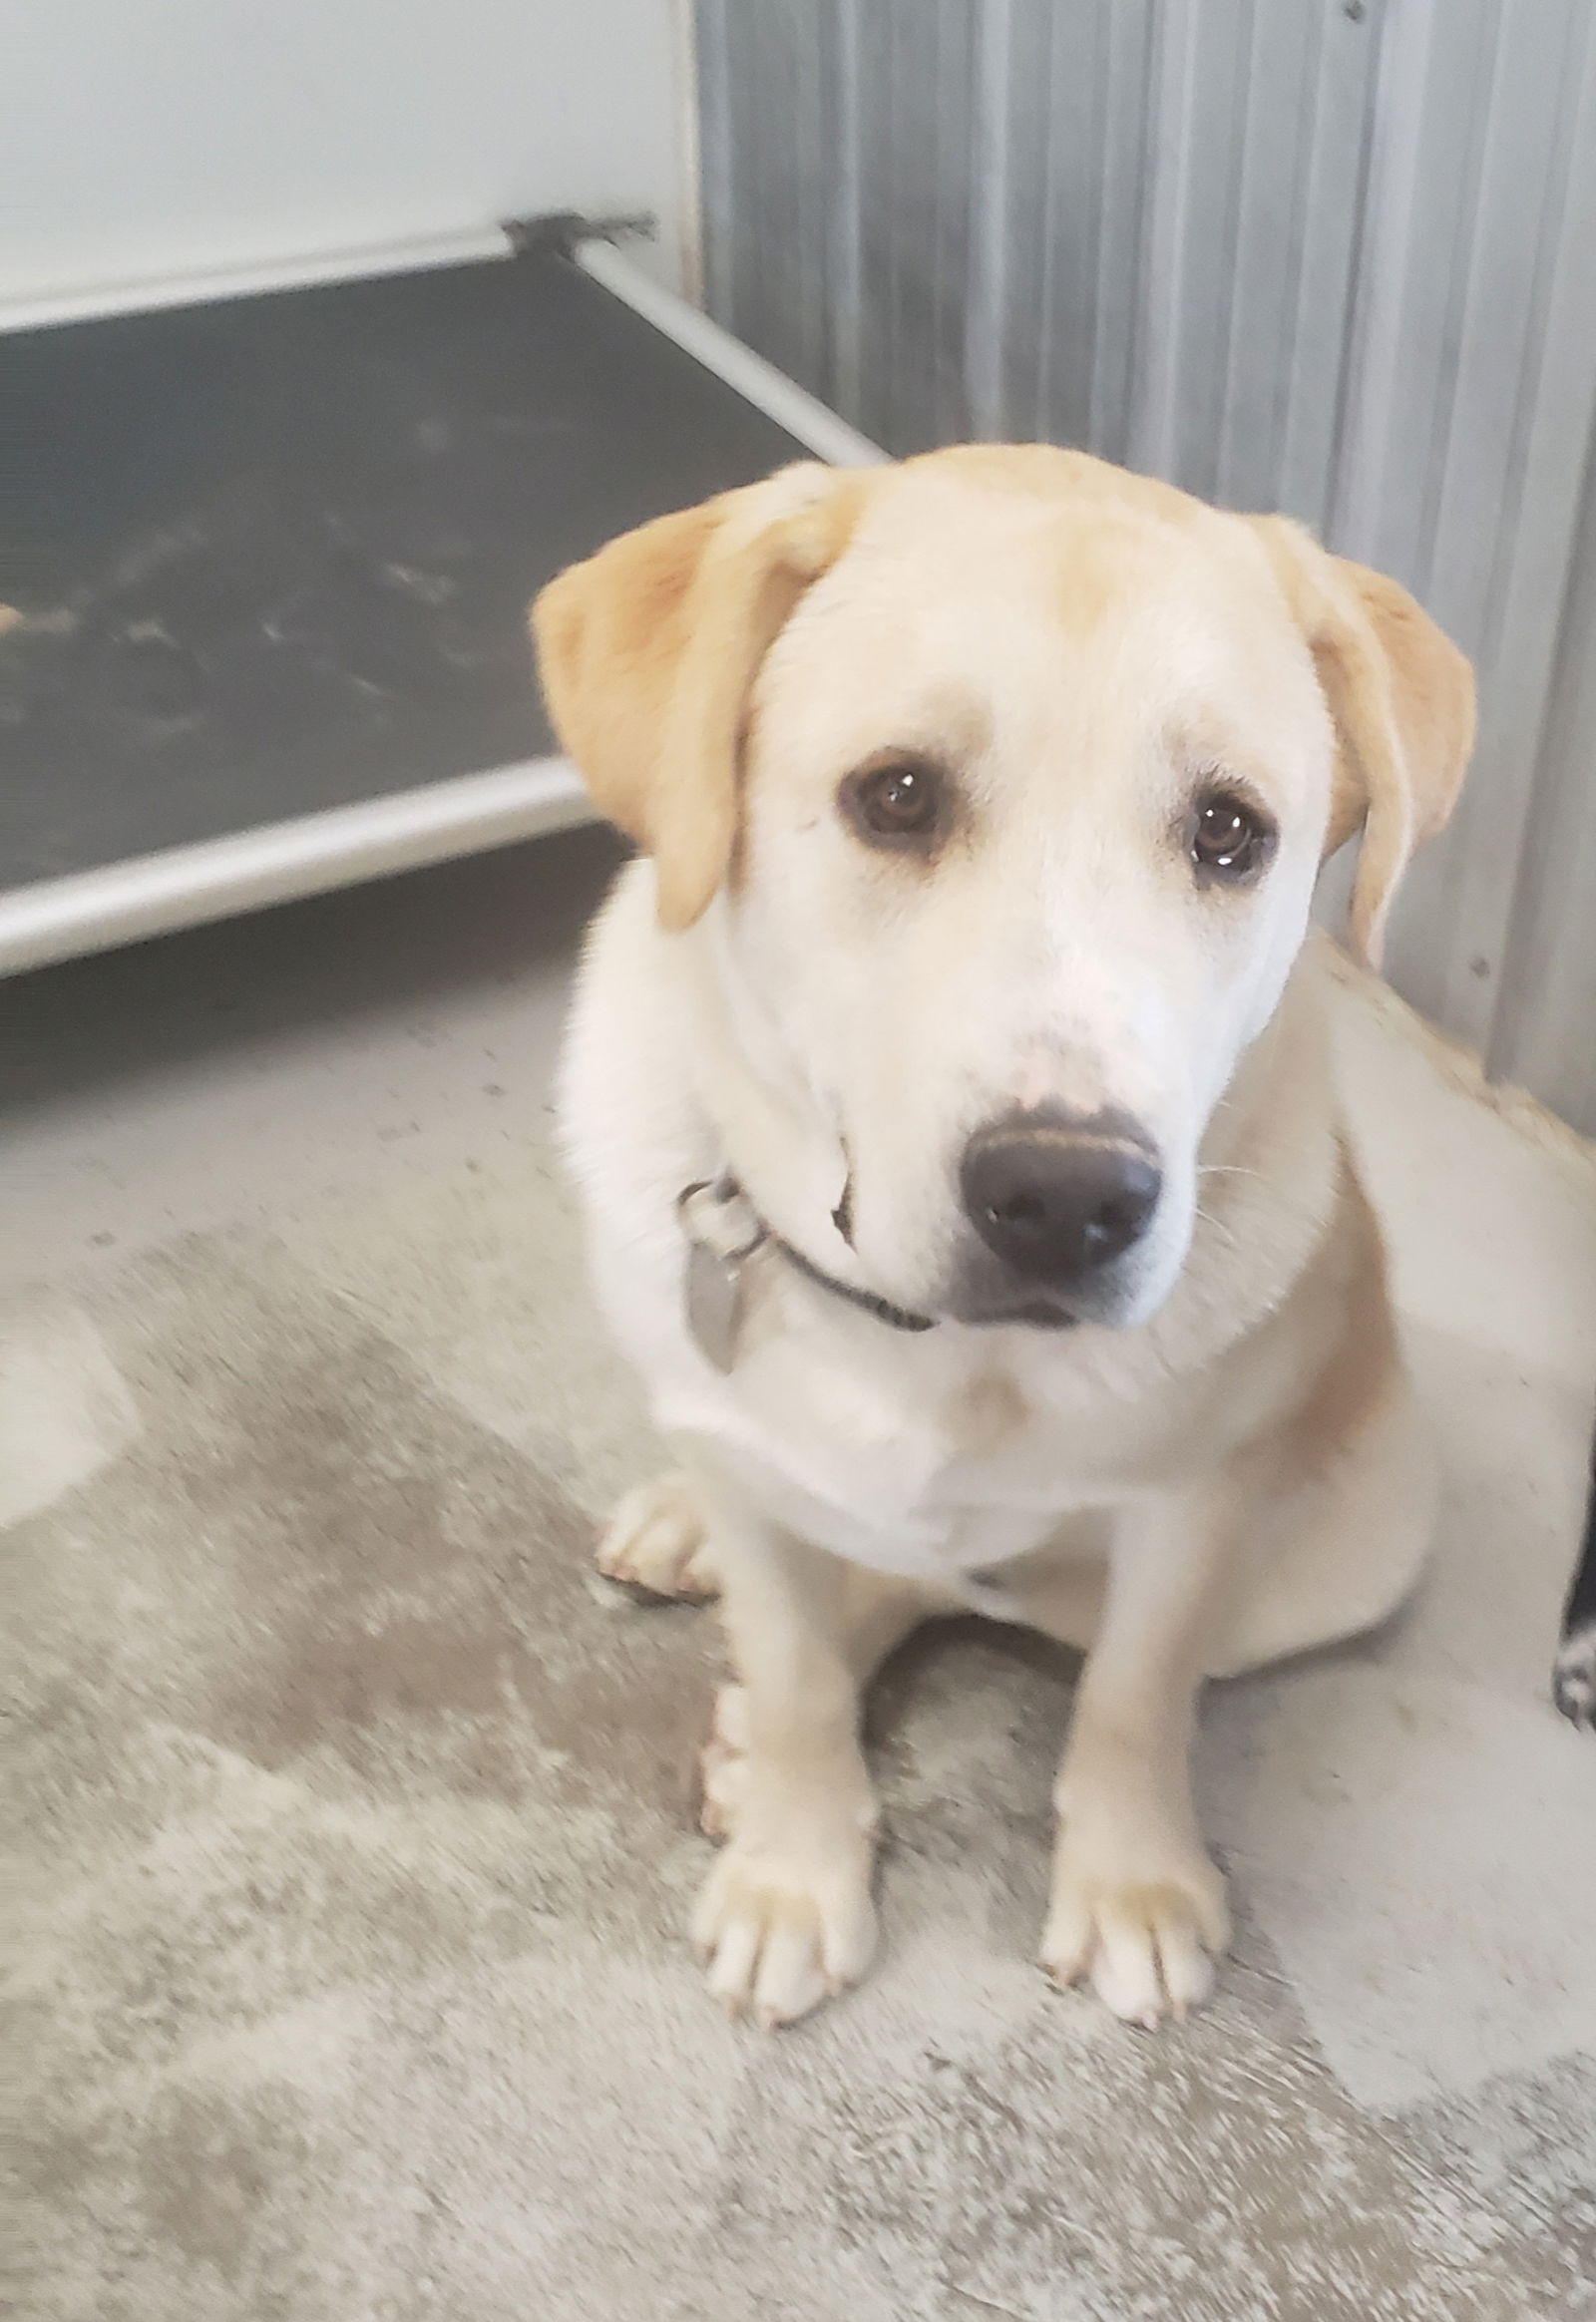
{"points": [[655, 1540], [1574, 1676], [779, 1931], [1147, 1948]]}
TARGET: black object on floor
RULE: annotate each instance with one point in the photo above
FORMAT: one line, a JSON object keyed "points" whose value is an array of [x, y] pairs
{"points": [[1574, 1677], [272, 556]]}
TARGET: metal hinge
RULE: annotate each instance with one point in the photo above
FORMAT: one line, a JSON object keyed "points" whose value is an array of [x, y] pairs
{"points": [[561, 230]]}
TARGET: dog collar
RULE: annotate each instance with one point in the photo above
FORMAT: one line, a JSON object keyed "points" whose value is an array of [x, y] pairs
{"points": [[724, 1230]]}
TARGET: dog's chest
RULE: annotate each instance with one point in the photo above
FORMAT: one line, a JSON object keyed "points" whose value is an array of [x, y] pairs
{"points": [[922, 1463]]}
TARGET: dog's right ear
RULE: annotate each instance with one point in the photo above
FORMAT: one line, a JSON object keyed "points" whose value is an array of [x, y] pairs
{"points": [[649, 649]]}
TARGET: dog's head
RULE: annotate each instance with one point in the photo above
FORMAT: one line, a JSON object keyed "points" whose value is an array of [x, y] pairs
{"points": [[1000, 781]]}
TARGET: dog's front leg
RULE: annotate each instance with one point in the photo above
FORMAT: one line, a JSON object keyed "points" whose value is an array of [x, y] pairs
{"points": [[787, 1918], [1137, 1904]]}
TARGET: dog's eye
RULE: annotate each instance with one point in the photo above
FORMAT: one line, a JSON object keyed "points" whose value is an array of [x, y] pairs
{"points": [[897, 802], [1231, 839]]}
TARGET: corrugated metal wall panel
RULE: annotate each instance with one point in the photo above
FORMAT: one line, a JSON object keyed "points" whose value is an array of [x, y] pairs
{"points": [[1254, 172], [1074, 116], [1472, 416], [1300, 253], [1125, 223], [916, 110], [759, 167], [1545, 1033]]}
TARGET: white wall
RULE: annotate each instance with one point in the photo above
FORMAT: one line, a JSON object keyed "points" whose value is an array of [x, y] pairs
{"points": [[142, 138]]}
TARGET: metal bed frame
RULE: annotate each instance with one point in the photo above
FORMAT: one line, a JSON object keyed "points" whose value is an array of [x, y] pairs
{"points": [[262, 620]]}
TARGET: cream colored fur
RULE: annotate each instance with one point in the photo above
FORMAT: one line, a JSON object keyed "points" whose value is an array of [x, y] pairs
{"points": [[1226, 1469]]}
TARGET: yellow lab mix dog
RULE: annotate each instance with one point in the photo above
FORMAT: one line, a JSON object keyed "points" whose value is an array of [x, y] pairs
{"points": [[949, 1098]]}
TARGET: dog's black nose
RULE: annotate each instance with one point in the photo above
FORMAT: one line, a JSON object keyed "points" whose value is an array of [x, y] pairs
{"points": [[1055, 1198]]}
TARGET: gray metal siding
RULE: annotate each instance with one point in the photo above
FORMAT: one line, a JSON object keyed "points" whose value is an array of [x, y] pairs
{"points": [[1465, 458], [1545, 1030], [1310, 254]]}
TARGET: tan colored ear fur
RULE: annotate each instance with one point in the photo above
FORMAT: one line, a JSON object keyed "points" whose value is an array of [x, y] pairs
{"points": [[1403, 700], [648, 651]]}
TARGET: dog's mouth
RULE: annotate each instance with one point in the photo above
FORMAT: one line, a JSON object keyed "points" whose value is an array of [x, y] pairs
{"points": [[1030, 1314], [981, 1299]]}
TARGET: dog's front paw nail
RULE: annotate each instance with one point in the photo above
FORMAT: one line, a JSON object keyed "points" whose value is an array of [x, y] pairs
{"points": [[783, 1928], [655, 1542], [1146, 1943]]}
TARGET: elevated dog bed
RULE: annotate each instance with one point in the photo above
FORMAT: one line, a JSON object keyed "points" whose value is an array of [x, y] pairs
{"points": [[266, 631]]}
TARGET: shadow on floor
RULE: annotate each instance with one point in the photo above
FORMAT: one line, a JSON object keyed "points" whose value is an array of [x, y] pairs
{"points": [[364, 952]]}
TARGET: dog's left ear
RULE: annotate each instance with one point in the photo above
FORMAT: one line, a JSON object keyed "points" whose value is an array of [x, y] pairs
{"points": [[1402, 696], [648, 653]]}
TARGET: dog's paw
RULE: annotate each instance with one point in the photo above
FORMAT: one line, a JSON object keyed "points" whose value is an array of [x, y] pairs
{"points": [[655, 1540], [1574, 1676], [1146, 1933], [783, 1925]]}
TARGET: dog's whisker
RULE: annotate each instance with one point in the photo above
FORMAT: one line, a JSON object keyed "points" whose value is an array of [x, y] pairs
{"points": [[1218, 1224]]}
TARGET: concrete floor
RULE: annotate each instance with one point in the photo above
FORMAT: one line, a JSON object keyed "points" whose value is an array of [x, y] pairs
{"points": [[249, 1071]]}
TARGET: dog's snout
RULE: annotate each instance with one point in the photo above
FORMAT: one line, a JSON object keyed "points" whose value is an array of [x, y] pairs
{"points": [[1056, 1198]]}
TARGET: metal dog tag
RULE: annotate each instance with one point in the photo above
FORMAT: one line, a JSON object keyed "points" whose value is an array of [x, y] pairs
{"points": [[714, 1305], [723, 1235]]}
